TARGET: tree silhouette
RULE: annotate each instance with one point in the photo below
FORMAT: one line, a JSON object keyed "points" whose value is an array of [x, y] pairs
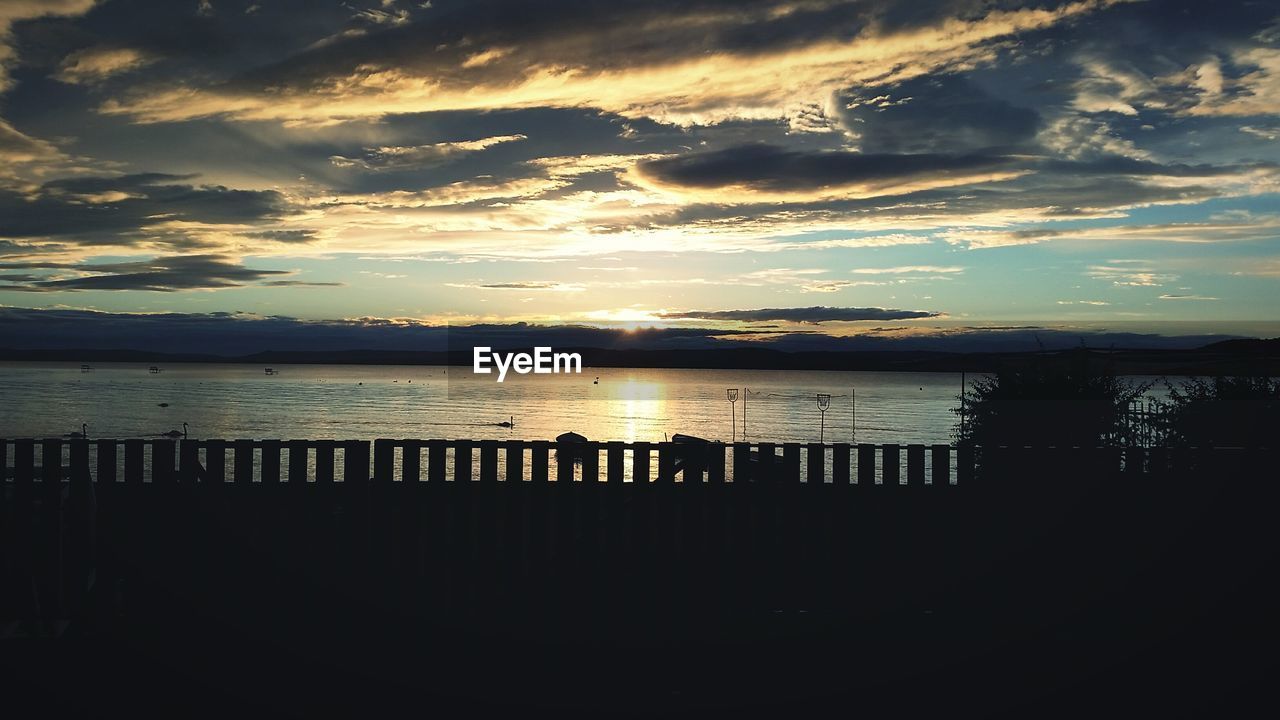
{"points": [[1068, 399], [1224, 412]]}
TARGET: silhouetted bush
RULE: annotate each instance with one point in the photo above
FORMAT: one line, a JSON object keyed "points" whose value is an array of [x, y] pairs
{"points": [[1072, 399], [1223, 412]]}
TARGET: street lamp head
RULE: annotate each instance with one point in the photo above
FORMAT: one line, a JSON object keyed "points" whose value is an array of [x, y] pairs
{"points": [[824, 401], [733, 394]]}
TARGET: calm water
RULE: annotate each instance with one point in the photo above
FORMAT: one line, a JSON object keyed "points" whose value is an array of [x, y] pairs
{"points": [[365, 402]]}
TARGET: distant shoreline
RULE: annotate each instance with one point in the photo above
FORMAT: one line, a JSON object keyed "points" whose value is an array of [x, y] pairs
{"points": [[1231, 357]]}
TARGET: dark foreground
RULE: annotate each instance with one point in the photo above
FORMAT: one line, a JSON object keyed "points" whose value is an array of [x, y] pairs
{"points": [[1053, 583]]}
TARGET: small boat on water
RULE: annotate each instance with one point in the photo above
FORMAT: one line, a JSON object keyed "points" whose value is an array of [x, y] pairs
{"points": [[270, 371], [85, 368], [153, 370]]}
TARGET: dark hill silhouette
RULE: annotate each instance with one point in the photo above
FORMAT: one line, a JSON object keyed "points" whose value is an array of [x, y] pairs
{"points": [[1230, 357]]}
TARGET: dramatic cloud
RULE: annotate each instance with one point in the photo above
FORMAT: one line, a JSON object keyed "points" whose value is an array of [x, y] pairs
{"points": [[419, 156], [764, 171], [815, 314], [162, 274], [947, 113], [95, 64], [716, 60], [132, 210]]}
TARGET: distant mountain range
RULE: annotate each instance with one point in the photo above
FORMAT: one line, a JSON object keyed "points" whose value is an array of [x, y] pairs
{"points": [[1228, 357]]}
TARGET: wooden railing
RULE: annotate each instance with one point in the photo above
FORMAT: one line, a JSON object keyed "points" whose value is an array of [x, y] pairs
{"points": [[788, 524]]}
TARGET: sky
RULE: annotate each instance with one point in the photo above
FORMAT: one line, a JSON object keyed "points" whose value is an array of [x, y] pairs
{"points": [[806, 173]]}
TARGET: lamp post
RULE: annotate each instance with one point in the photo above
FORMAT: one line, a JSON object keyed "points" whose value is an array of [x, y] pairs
{"points": [[733, 412], [853, 434], [824, 402]]}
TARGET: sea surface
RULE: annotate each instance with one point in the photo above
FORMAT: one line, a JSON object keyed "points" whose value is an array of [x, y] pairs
{"points": [[231, 401]]}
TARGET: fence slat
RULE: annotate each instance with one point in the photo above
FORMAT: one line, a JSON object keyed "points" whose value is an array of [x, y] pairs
{"points": [[410, 462], [24, 461], [941, 465], [271, 462], [766, 463], [215, 462], [816, 462], [164, 455], [462, 461], [640, 461], [890, 463], [614, 467], [715, 462], [791, 462], [591, 463], [324, 462], [189, 469], [488, 461], [242, 461], [515, 461], [565, 454], [840, 464], [741, 462], [915, 464], [866, 464], [436, 461], [51, 461], [964, 464], [106, 461], [297, 462], [666, 462], [384, 460], [133, 450], [539, 459], [355, 461]]}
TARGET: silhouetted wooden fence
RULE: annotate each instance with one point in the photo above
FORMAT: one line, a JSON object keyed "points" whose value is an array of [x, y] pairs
{"points": [[92, 528]]}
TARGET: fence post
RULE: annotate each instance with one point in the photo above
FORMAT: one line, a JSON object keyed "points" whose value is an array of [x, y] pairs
{"points": [[189, 469], [591, 462]]}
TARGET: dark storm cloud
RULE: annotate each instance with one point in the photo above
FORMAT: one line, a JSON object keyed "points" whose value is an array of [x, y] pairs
{"points": [[947, 113], [162, 274], [772, 168], [114, 209], [284, 236], [815, 314]]}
